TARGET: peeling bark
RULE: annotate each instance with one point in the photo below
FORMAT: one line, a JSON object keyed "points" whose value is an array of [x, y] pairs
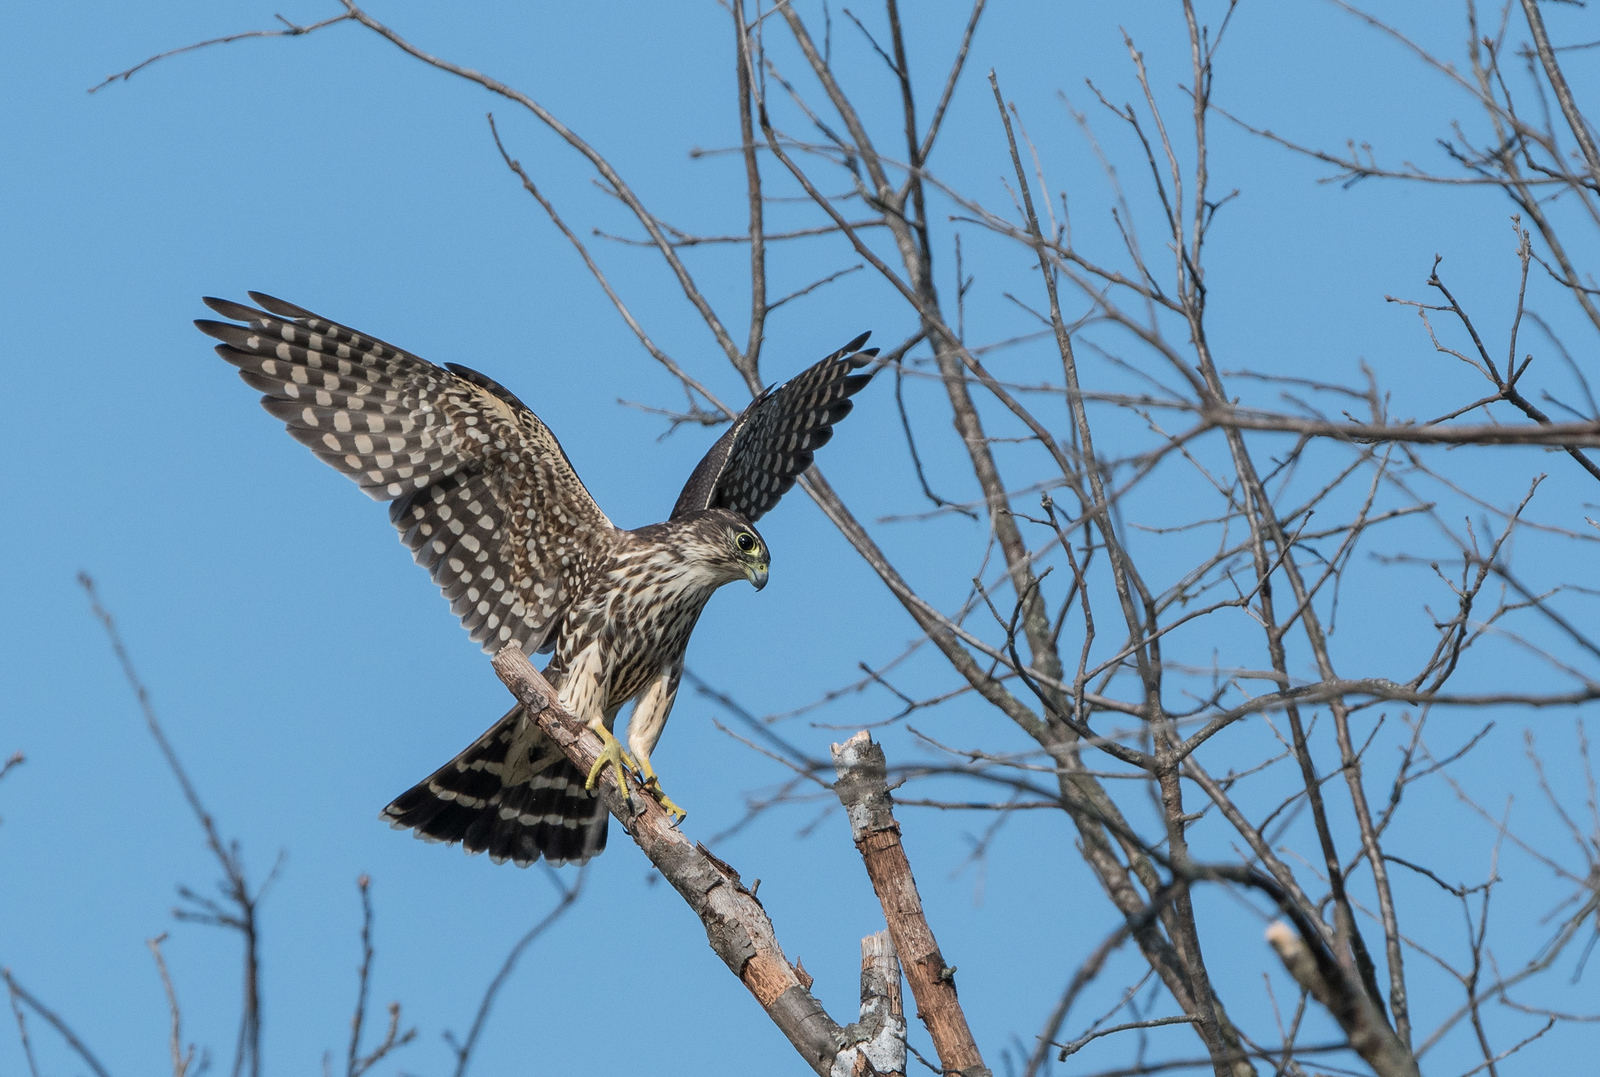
{"points": [[737, 927], [863, 789]]}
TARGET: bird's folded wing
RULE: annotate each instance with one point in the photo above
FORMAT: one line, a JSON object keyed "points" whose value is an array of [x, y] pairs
{"points": [[773, 440], [482, 492]]}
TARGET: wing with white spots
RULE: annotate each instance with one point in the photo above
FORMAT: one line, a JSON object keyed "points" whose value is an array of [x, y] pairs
{"points": [[773, 440], [482, 492]]}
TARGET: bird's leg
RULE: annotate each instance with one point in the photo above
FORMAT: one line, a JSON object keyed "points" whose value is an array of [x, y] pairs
{"points": [[612, 754], [652, 785]]}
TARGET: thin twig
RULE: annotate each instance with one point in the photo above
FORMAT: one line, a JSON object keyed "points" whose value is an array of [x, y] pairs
{"points": [[1083, 1041], [235, 886], [20, 994], [290, 30], [182, 1058], [569, 897]]}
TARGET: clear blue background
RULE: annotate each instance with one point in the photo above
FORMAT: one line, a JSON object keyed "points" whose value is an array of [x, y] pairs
{"points": [[307, 672]]}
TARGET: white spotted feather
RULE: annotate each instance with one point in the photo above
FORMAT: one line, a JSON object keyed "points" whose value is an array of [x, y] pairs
{"points": [[489, 504], [482, 492]]}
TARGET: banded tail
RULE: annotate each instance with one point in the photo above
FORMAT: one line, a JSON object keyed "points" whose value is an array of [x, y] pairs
{"points": [[515, 812]]}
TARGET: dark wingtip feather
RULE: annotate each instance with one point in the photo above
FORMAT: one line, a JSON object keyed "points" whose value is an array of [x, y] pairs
{"points": [[758, 459], [272, 304], [216, 330], [849, 352], [857, 356], [229, 309]]}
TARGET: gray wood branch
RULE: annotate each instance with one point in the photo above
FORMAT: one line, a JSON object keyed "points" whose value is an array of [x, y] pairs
{"points": [[737, 926], [863, 789], [1558, 82], [1338, 989], [876, 1044]]}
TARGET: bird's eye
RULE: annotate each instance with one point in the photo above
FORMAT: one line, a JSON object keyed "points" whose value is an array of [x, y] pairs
{"points": [[745, 541]]}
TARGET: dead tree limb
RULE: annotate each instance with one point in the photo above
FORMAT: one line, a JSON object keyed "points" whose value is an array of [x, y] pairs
{"points": [[876, 1045], [863, 789], [736, 924]]}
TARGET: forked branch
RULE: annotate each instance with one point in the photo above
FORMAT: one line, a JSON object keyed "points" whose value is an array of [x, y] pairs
{"points": [[863, 789]]}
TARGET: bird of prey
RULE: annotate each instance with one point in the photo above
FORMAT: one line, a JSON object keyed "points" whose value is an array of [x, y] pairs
{"points": [[489, 504]]}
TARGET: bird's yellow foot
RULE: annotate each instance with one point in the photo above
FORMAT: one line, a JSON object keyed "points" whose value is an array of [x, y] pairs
{"points": [[611, 754], [652, 785]]}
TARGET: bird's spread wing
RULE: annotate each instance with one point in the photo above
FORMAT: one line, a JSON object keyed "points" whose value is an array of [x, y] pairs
{"points": [[482, 492], [773, 440]]}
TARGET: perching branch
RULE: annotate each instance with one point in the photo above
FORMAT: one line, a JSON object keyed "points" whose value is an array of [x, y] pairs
{"points": [[737, 926]]}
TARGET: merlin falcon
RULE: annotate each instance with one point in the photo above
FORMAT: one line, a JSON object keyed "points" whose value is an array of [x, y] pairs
{"points": [[487, 501]]}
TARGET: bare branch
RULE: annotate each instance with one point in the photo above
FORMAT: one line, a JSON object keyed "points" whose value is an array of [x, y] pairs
{"points": [[235, 885], [736, 925], [1558, 82], [644, 338], [569, 896], [1351, 1007], [182, 1058], [864, 791], [1083, 1041], [595, 158], [19, 994], [877, 1043], [357, 1063], [290, 30], [22, 1026]]}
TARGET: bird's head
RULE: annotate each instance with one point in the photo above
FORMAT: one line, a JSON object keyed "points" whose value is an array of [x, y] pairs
{"points": [[731, 545]]}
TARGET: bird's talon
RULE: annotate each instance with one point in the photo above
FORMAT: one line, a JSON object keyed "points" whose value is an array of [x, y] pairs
{"points": [[652, 785], [611, 754]]}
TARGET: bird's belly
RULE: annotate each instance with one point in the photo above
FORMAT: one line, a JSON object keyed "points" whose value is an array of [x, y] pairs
{"points": [[642, 638], [640, 625], [638, 657]]}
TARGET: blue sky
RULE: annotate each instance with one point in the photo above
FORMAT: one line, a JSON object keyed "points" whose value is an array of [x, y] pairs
{"points": [[307, 671]]}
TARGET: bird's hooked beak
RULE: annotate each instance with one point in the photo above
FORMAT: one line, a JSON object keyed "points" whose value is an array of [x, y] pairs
{"points": [[757, 575]]}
